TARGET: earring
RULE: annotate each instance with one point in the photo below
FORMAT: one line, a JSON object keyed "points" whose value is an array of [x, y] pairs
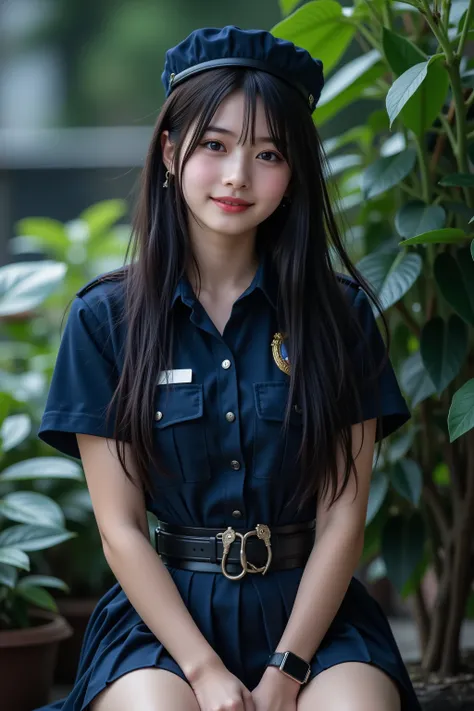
{"points": [[166, 183], [285, 202]]}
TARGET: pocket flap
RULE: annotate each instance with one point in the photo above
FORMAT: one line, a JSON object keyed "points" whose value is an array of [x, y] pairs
{"points": [[271, 401], [178, 403]]}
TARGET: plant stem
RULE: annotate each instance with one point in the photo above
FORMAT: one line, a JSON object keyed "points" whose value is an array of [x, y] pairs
{"points": [[449, 132], [409, 190], [368, 36], [452, 66], [373, 12], [424, 172], [465, 29]]}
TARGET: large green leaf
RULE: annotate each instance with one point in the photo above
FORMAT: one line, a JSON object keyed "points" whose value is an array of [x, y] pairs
{"points": [[403, 541], [25, 285], [461, 412], [347, 84], [15, 557], [44, 581], [400, 446], [447, 235], [33, 538], [31, 507], [415, 379], [287, 6], [444, 348], [400, 52], [406, 478], [392, 273], [339, 164], [416, 217], [418, 95], [101, 216], [455, 279], [37, 596], [43, 468], [8, 575], [321, 28], [458, 179], [47, 233], [14, 430], [387, 172], [377, 494]]}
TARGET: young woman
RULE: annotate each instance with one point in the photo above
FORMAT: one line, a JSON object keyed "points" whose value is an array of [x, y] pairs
{"points": [[231, 381]]}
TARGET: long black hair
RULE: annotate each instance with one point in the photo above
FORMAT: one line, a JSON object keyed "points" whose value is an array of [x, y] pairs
{"points": [[301, 241]]}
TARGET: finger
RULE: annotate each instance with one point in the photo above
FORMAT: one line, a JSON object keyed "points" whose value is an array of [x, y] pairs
{"points": [[249, 704]]}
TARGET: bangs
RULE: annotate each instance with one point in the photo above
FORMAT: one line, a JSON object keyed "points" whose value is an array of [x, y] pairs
{"points": [[276, 97]]}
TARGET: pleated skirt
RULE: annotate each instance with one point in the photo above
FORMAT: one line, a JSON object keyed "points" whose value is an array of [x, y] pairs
{"points": [[243, 621]]}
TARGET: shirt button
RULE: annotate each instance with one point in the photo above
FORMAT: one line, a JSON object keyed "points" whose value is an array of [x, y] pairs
{"points": [[226, 364], [230, 417], [237, 514], [158, 415], [235, 465]]}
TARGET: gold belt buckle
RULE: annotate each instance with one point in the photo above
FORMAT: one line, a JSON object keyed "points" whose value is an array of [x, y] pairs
{"points": [[228, 537]]}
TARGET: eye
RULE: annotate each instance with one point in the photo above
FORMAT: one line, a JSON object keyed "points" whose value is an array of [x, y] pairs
{"points": [[212, 145], [274, 157]]}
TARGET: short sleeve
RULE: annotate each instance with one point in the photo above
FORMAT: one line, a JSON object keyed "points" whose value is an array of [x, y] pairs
{"points": [[83, 382], [380, 397]]}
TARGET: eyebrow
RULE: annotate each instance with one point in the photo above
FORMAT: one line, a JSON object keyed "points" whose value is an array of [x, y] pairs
{"points": [[225, 131]]}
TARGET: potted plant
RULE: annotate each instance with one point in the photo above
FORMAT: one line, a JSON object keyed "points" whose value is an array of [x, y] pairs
{"points": [[30, 521], [402, 175], [30, 626]]}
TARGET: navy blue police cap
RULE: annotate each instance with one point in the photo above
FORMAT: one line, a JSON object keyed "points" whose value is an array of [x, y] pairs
{"points": [[212, 47]]}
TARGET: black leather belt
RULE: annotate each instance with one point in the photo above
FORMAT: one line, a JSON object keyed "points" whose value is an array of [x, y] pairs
{"points": [[235, 552]]}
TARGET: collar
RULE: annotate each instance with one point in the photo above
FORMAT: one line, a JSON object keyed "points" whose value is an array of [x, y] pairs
{"points": [[265, 279]]}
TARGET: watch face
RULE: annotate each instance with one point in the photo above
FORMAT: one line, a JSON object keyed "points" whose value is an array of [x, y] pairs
{"points": [[295, 667]]}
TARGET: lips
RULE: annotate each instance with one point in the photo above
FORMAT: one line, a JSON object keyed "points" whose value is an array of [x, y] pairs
{"points": [[232, 201]]}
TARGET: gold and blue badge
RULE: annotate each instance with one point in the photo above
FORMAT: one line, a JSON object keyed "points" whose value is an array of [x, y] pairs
{"points": [[280, 353]]}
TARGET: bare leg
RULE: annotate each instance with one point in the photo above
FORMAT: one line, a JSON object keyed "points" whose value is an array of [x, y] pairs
{"points": [[147, 689], [350, 685]]}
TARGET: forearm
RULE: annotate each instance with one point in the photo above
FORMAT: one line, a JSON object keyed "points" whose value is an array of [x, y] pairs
{"points": [[323, 585], [153, 593]]}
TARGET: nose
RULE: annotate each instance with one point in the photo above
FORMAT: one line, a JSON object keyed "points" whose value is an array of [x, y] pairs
{"points": [[236, 173]]}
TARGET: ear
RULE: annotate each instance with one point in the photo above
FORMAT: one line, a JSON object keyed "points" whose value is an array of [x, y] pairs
{"points": [[167, 149]]}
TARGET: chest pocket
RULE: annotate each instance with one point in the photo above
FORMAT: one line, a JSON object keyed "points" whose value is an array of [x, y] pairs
{"points": [[179, 433], [275, 455]]}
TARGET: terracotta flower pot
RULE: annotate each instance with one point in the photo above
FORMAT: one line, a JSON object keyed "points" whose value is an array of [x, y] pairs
{"points": [[27, 660], [76, 611]]}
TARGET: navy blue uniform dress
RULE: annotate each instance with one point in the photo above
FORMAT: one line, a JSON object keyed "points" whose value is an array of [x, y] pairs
{"points": [[221, 435]]}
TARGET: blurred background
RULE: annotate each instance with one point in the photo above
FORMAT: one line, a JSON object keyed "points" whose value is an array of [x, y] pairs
{"points": [[80, 88]]}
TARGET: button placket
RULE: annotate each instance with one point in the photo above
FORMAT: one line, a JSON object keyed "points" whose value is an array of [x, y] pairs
{"points": [[233, 473]]}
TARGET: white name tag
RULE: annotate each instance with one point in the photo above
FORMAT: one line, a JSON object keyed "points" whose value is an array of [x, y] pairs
{"points": [[179, 375]]}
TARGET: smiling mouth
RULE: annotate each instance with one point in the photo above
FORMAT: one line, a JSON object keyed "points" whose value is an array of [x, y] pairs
{"points": [[232, 202]]}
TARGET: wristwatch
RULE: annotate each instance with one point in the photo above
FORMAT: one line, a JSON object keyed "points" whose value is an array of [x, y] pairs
{"points": [[291, 665]]}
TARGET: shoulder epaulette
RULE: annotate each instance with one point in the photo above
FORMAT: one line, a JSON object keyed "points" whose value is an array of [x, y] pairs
{"points": [[114, 276]]}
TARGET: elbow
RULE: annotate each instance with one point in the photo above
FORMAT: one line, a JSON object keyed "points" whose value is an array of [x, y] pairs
{"points": [[119, 539]]}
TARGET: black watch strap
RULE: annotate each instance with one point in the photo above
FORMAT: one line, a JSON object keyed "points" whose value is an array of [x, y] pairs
{"points": [[291, 665]]}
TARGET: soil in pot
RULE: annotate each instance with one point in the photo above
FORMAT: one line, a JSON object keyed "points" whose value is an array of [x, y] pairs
{"points": [[27, 661]]}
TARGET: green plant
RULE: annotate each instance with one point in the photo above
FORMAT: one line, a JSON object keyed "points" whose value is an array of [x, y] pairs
{"points": [[402, 176], [38, 522], [73, 253]]}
